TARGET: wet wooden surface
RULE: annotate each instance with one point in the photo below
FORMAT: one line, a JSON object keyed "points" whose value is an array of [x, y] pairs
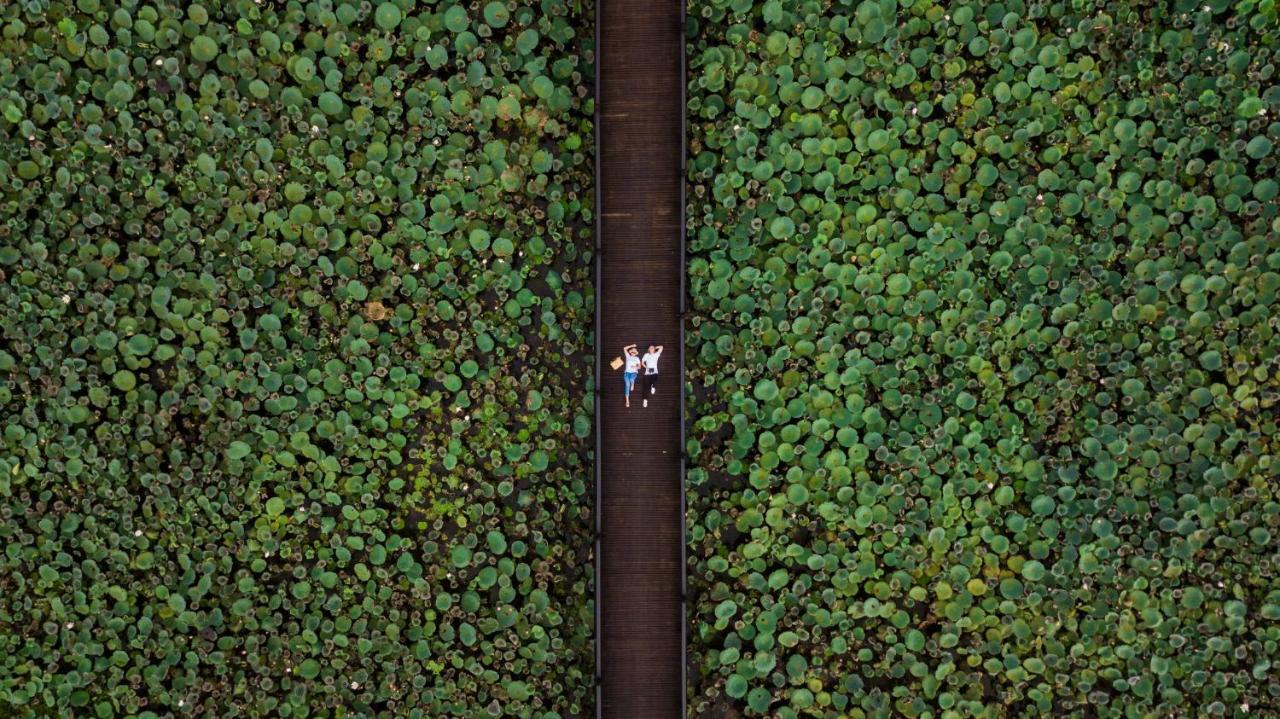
{"points": [[640, 150]]}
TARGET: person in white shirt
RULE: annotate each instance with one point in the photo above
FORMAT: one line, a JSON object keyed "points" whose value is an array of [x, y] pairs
{"points": [[650, 363], [630, 372]]}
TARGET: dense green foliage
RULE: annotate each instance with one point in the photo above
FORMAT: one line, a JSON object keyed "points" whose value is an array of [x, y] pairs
{"points": [[984, 358], [293, 296]]}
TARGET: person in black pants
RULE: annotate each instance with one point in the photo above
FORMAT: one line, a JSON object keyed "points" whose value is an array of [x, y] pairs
{"points": [[649, 375]]}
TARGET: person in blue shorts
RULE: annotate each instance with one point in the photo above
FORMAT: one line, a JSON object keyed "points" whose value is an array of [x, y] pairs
{"points": [[630, 372]]}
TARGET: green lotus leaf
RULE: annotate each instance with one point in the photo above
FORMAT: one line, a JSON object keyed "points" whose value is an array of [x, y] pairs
{"points": [[496, 14], [759, 699], [124, 380], [527, 41], [309, 669], [1250, 107], [455, 19], [204, 48], [460, 556], [736, 686], [330, 103], [726, 609], [387, 16], [766, 390]]}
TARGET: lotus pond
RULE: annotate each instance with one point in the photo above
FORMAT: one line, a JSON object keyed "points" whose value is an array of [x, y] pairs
{"points": [[983, 358], [292, 294]]}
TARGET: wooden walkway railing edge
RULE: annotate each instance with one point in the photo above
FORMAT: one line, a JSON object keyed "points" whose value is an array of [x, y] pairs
{"points": [[684, 292]]}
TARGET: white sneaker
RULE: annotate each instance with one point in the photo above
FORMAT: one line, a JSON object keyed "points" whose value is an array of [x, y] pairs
{"points": [[653, 390], [645, 404]]}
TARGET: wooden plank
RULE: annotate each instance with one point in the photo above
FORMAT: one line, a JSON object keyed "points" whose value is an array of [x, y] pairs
{"points": [[640, 150]]}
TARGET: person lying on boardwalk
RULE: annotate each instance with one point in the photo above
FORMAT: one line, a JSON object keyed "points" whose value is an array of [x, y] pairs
{"points": [[630, 371], [650, 362]]}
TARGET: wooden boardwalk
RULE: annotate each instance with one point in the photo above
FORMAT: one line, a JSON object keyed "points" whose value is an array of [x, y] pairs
{"points": [[640, 281]]}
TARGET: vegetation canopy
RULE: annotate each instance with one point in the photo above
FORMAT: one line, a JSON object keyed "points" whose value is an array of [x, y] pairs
{"points": [[983, 358], [293, 295]]}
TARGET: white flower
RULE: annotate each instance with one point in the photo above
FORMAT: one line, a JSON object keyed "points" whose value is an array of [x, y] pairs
{"points": [[416, 266], [70, 625], [355, 685], [137, 532], [66, 299]]}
